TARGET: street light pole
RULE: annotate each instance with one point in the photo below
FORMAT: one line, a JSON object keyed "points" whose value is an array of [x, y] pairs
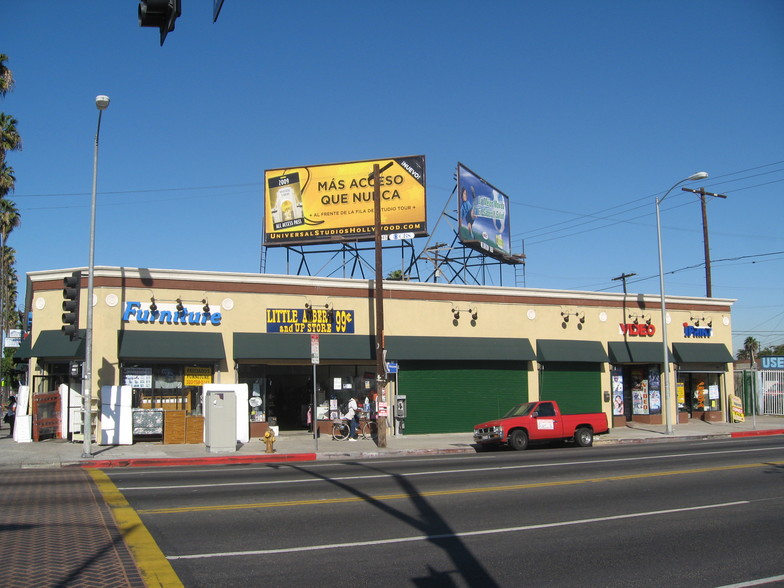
{"points": [[665, 379], [102, 103]]}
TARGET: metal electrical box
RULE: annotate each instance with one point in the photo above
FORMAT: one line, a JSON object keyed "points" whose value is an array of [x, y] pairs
{"points": [[220, 421]]}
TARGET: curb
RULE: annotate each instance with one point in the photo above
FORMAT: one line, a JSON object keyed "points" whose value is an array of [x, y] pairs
{"points": [[758, 433], [147, 462]]}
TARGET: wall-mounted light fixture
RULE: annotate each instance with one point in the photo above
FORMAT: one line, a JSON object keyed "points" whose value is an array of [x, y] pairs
{"points": [[330, 311], [308, 311], [702, 319], [206, 307], [472, 311], [637, 318], [153, 306], [579, 315], [180, 306]]}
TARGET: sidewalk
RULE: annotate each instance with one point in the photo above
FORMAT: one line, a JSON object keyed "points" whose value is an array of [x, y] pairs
{"points": [[300, 446]]}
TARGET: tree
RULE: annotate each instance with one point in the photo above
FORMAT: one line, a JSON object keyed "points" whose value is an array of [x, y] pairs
{"points": [[7, 180], [751, 345], [9, 137], [6, 77], [396, 275]]}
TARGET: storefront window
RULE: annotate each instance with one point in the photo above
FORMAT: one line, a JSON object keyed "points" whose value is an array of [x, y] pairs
{"points": [[701, 391], [167, 387]]}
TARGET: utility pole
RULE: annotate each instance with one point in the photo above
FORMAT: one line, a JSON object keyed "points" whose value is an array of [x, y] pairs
{"points": [[623, 277], [703, 194], [381, 369]]}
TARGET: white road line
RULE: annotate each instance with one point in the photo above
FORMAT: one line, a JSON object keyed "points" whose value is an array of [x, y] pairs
{"points": [[437, 472], [758, 582], [416, 538]]}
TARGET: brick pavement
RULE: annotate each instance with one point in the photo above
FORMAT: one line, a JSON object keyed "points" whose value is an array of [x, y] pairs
{"points": [[57, 530]]}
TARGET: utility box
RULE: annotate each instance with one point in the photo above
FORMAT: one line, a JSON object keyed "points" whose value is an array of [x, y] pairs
{"points": [[220, 421]]}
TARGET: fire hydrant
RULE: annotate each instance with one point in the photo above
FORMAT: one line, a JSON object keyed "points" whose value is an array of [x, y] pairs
{"points": [[269, 441]]}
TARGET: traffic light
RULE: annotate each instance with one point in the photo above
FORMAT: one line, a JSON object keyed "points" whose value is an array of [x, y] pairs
{"points": [[159, 13], [71, 287]]}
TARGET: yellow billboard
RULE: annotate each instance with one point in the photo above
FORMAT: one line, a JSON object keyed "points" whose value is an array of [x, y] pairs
{"points": [[334, 202]]}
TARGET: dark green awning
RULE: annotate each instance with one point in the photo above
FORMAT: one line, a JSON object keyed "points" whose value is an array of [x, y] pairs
{"points": [[636, 352], [701, 353], [570, 351], [170, 345], [24, 351], [56, 344], [297, 346], [459, 348]]}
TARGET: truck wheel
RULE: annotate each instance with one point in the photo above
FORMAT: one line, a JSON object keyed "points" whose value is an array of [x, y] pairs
{"points": [[583, 437], [518, 440]]}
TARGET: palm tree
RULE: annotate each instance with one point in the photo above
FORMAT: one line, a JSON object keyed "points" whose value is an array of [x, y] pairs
{"points": [[9, 137], [7, 179], [6, 77], [750, 346], [9, 220]]}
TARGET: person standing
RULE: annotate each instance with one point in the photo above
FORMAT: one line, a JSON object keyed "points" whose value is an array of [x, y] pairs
{"points": [[353, 418], [10, 413]]}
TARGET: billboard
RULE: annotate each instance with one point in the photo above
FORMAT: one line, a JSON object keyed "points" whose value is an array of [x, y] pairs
{"points": [[334, 202], [483, 216]]}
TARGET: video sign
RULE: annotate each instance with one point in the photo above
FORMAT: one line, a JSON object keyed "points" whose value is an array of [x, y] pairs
{"points": [[334, 202], [483, 214]]}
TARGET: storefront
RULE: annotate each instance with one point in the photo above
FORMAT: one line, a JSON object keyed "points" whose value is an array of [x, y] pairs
{"points": [[447, 381], [570, 372], [701, 380], [457, 354]]}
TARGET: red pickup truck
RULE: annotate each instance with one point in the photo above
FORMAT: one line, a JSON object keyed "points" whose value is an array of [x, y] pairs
{"points": [[540, 421]]}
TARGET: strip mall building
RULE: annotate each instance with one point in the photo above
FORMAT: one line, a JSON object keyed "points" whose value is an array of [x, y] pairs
{"points": [[458, 354]]}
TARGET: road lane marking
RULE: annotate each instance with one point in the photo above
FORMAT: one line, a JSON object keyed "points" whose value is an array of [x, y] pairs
{"points": [[434, 472], [451, 492], [442, 536], [758, 582], [153, 566]]}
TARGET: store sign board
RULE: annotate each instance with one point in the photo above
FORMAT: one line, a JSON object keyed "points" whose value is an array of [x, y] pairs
{"points": [[690, 331], [169, 314], [324, 203], [137, 377], [298, 320], [636, 330], [772, 362], [197, 376]]}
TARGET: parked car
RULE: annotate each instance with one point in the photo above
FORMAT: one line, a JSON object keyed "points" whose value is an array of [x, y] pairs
{"points": [[542, 421]]}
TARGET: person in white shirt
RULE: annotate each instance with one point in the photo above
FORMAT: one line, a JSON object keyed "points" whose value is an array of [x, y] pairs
{"points": [[353, 419]]}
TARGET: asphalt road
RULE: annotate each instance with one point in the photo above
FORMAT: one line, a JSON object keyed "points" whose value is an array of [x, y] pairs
{"points": [[702, 513]]}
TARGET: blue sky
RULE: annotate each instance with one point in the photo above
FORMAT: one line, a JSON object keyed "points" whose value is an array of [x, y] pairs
{"points": [[581, 112]]}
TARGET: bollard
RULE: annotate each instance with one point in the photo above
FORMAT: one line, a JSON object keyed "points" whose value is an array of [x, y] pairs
{"points": [[269, 441]]}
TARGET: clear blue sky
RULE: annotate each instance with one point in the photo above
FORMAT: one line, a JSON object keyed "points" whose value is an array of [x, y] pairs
{"points": [[581, 112]]}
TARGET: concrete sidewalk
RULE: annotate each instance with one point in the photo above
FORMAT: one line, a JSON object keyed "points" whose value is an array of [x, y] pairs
{"points": [[300, 446]]}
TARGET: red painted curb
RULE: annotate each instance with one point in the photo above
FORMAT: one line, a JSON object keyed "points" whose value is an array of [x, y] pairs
{"points": [[190, 461], [758, 433]]}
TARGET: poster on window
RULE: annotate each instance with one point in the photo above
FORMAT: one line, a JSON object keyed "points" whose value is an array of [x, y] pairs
{"points": [[654, 391], [617, 392], [640, 398]]}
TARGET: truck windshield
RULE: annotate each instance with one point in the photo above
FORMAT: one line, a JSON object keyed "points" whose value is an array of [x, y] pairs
{"points": [[519, 410]]}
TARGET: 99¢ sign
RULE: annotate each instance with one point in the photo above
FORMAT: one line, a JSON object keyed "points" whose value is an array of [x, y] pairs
{"points": [[309, 320]]}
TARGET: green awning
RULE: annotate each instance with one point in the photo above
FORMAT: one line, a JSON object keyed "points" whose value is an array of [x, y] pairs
{"points": [[297, 346], [24, 351], [636, 352], [459, 348], [701, 353], [170, 345], [570, 351], [56, 344]]}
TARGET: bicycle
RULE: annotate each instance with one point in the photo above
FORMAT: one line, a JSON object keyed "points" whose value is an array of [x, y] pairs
{"points": [[341, 430]]}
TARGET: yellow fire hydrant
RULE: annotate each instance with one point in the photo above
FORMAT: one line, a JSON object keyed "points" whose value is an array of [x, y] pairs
{"points": [[269, 441]]}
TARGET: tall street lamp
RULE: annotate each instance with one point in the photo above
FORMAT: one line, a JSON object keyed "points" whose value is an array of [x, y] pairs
{"points": [[665, 380], [102, 103]]}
